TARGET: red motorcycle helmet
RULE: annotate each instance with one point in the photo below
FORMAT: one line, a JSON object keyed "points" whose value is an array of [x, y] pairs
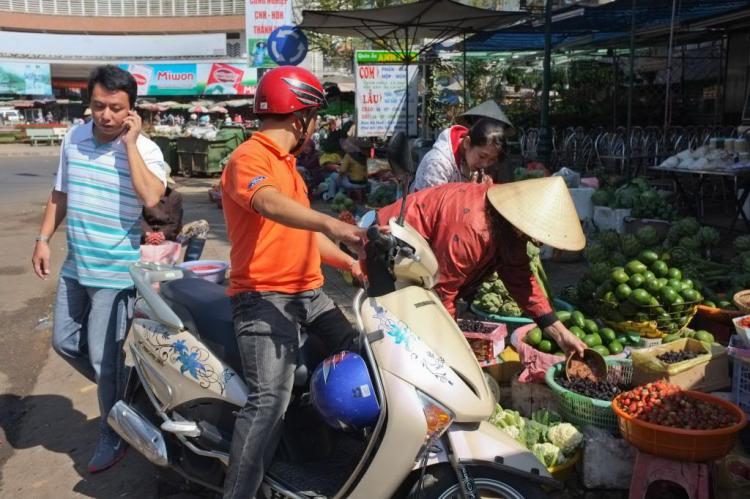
{"points": [[288, 89]]}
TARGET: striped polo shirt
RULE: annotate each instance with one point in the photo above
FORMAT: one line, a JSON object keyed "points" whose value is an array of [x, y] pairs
{"points": [[103, 212]]}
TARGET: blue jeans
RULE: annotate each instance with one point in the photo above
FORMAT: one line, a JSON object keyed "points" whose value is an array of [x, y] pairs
{"points": [[267, 326], [345, 184], [88, 331]]}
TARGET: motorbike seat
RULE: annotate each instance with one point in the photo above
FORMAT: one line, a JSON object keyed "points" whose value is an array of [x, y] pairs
{"points": [[205, 311]]}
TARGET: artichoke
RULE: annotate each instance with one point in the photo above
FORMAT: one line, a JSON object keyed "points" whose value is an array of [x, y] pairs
{"points": [[708, 237], [617, 259], [511, 309], [610, 238], [600, 272], [681, 257], [586, 289], [688, 226], [630, 246], [595, 253], [647, 236], [499, 288], [742, 244], [690, 244], [570, 295]]}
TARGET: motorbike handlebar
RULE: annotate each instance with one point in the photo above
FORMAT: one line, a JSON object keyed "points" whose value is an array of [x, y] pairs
{"points": [[382, 241]]}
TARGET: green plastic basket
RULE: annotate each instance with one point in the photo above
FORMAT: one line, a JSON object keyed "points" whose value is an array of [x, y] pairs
{"points": [[584, 411], [513, 323]]}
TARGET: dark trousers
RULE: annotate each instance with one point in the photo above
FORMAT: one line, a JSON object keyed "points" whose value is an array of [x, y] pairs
{"points": [[267, 325]]}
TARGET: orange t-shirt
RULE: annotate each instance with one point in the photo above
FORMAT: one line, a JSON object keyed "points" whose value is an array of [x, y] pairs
{"points": [[265, 255]]}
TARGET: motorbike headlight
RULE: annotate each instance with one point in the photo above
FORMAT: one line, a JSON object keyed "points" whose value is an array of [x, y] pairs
{"points": [[438, 418]]}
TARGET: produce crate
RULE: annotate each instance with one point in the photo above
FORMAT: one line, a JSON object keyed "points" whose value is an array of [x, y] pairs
{"points": [[741, 383], [584, 411], [737, 348], [487, 346], [712, 373]]}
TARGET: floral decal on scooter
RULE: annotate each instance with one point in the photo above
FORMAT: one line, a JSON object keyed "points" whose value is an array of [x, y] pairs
{"points": [[412, 343], [192, 360]]}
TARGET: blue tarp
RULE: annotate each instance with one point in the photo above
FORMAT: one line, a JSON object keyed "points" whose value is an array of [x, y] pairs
{"points": [[604, 23]]}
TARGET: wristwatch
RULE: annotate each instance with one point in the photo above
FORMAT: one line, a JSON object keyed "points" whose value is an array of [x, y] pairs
{"points": [[42, 239]]}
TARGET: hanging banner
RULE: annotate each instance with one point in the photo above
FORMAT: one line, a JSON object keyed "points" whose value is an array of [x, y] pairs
{"points": [[25, 79], [261, 18], [193, 79], [381, 98]]}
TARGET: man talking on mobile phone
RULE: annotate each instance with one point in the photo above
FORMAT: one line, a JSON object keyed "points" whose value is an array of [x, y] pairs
{"points": [[108, 171]]}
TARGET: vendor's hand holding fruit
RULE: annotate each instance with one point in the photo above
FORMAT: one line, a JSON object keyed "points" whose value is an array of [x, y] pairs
{"points": [[567, 341]]}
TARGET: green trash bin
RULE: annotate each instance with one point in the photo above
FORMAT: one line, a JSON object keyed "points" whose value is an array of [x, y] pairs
{"points": [[168, 147]]}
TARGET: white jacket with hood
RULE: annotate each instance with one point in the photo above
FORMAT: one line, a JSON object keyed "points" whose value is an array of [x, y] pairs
{"points": [[439, 165]]}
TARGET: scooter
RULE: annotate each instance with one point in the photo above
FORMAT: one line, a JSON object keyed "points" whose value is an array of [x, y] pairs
{"points": [[432, 438]]}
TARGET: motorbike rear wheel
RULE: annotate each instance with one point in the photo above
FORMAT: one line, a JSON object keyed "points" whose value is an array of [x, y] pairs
{"points": [[440, 482]]}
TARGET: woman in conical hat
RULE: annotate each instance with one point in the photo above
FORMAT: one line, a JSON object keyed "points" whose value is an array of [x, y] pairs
{"points": [[476, 229]]}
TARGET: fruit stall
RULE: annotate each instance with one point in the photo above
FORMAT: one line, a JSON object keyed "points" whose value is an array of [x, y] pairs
{"points": [[664, 302]]}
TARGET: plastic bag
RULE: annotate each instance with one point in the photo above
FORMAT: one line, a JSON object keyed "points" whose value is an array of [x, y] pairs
{"points": [[377, 165], [572, 178], [535, 363], [167, 252], [733, 473], [645, 360]]}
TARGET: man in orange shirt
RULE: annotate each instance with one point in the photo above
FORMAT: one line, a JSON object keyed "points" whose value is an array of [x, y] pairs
{"points": [[278, 244]]}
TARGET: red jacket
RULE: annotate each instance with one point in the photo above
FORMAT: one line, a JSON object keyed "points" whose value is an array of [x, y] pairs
{"points": [[452, 219]]}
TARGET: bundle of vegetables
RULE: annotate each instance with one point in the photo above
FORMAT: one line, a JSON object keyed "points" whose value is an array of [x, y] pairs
{"points": [[604, 340], [639, 196], [493, 297], [545, 435], [648, 290], [383, 195], [341, 202], [667, 405]]}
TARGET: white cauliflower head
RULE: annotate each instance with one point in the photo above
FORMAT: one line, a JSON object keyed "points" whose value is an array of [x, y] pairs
{"points": [[566, 437]]}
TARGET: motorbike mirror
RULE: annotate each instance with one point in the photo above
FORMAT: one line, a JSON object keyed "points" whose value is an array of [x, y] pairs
{"points": [[368, 219], [399, 156]]}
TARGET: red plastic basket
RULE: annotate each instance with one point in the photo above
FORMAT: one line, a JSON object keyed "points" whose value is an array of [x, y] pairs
{"points": [[682, 445]]}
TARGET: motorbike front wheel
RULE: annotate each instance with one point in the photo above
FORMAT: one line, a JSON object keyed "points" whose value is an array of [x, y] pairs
{"points": [[440, 482]]}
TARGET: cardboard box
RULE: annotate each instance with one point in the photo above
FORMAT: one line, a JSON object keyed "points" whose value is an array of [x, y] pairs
{"points": [[704, 376]]}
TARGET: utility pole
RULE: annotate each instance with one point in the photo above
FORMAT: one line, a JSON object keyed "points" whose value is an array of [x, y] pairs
{"points": [[545, 137]]}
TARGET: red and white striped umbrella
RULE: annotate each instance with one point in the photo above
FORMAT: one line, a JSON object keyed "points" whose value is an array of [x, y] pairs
{"points": [[198, 109], [218, 109]]}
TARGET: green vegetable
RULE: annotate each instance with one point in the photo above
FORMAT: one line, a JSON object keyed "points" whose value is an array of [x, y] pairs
{"points": [[630, 246], [548, 454], [602, 197], [566, 437], [595, 253], [546, 417]]}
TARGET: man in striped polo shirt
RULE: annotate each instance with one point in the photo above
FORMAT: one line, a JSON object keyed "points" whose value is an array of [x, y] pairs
{"points": [[108, 171]]}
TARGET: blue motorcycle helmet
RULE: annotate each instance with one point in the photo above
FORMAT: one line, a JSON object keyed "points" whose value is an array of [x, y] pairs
{"points": [[342, 393]]}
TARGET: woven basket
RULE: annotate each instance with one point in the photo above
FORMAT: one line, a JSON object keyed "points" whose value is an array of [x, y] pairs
{"points": [[742, 301]]}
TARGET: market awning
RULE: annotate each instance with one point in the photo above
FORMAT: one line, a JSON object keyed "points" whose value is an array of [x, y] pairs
{"points": [[397, 28], [596, 25]]}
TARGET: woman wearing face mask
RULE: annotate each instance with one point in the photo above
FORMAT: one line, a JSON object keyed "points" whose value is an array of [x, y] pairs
{"points": [[461, 154]]}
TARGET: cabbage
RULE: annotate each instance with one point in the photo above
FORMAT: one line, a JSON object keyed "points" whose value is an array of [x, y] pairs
{"points": [[602, 197]]}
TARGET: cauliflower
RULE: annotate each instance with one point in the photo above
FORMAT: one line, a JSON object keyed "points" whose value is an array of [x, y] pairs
{"points": [[513, 431], [549, 454], [566, 437]]}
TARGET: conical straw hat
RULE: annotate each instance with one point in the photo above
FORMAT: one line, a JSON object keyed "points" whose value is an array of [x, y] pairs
{"points": [[542, 209]]}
